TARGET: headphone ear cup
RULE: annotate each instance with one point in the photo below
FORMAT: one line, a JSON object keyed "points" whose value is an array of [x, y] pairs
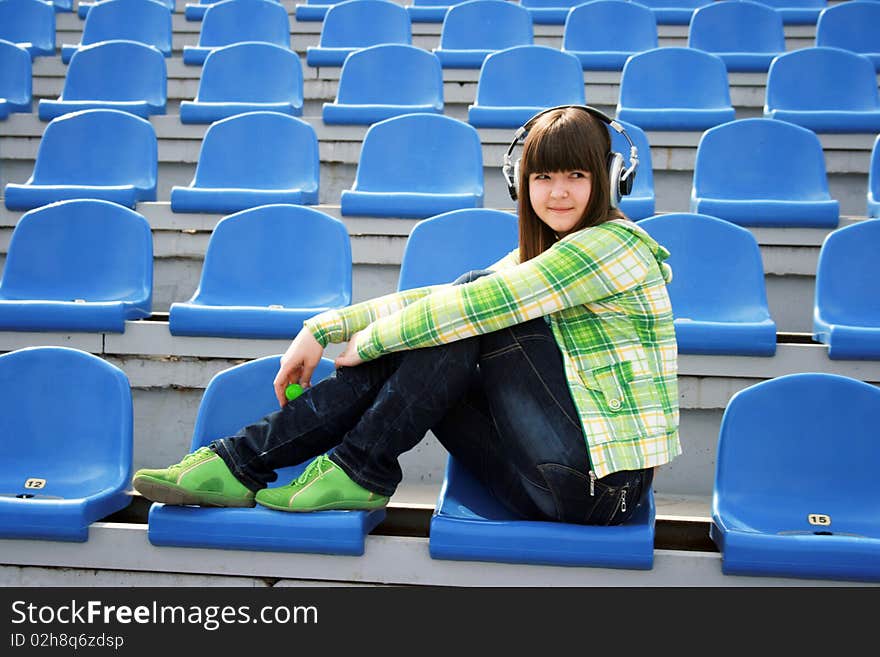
{"points": [[514, 184], [616, 167]]}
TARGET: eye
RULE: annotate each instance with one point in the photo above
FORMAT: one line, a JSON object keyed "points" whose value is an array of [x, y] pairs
{"points": [[540, 176], [580, 174]]}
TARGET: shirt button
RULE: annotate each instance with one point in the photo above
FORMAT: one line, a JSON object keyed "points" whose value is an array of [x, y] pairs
{"points": [[614, 404]]}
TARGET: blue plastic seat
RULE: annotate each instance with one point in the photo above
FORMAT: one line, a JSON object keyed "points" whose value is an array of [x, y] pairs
{"points": [[851, 26], [779, 180], [77, 266], [603, 34], [874, 180], [442, 248], [796, 490], [673, 12], [797, 12], [246, 77], [62, 6], [639, 203], [379, 82], [143, 21], [746, 35], [846, 311], [549, 12], [718, 294], [431, 11], [474, 29], [252, 159], [234, 399], [99, 153], [66, 442], [29, 24], [356, 24], [83, 7], [824, 89], [469, 524], [195, 11], [518, 82], [417, 166], [237, 21], [16, 90], [314, 10], [242, 293], [122, 75], [674, 89]]}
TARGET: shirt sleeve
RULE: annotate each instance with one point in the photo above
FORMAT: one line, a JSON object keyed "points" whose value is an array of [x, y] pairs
{"points": [[588, 266], [339, 324]]}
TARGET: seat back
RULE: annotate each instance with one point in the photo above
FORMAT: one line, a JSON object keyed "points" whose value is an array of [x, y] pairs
{"points": [[672, 77], [739, 26], [100, 146], [28, 21], [486, 25], [16, 82], [361, 23], [440, 249], [391, 74], [241, 395], [822, 79], [851, 26], [610, 25], [709, 255], [80, 249], [874, 180], [65, 417], [251, 72], [772, 160], [117, 71], [259, 150], [530, 76], [235, 21], [674, 4], [786, 451], [795, 4], [549, 4], [421, 153], [246, 262], [143, 21], [846, 275]]}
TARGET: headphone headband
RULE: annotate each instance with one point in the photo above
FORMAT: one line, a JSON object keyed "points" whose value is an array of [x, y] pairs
{"points": [[624, 177]]}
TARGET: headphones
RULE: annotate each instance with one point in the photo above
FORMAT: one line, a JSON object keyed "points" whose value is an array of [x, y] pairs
{"points": [[620, 177]]}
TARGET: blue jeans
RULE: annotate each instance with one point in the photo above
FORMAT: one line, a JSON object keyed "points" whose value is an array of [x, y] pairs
{"points": [[498, 402]]}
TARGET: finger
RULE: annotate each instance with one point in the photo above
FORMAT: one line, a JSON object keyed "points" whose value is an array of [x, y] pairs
{"points": [[305, 377]]}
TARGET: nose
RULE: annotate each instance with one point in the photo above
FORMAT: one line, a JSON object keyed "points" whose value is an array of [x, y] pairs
{"points": [[558, 189]]}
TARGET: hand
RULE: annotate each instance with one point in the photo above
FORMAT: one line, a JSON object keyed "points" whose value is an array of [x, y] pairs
{"points": [[297, 364], [349, 357]]}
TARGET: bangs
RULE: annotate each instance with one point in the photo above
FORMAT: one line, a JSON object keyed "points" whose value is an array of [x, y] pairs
{"points": [[559, 149]]}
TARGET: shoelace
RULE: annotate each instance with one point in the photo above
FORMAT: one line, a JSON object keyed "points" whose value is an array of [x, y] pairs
{"points": [[197, 455], [314, 469]]}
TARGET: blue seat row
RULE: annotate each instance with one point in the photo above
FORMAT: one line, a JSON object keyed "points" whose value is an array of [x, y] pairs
{"points": [[824, 89], [746, 34], [258, 158], [86, 265], [776, 509], [555, 12]]}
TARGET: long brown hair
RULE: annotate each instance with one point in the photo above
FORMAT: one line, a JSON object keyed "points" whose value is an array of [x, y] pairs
{"points": [[565, 139]]}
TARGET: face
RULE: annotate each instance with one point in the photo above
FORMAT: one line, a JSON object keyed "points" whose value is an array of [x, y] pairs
{"points": [[560, 198]]}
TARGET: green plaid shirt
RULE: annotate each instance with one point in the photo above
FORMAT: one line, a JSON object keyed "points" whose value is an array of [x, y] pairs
{"points": [[604, 292]]}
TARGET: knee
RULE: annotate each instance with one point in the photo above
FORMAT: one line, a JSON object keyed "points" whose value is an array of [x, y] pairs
{"points": [[472, 275]]}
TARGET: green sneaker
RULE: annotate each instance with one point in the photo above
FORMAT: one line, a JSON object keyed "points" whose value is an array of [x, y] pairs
{"points": [[201, 478], [323, 486]]}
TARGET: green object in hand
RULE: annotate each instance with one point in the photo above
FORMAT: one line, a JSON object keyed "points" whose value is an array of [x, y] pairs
{"points": [[293, 391]]}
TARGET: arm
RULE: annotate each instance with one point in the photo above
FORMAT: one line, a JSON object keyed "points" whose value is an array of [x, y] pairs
{"points": [[593, 264]]}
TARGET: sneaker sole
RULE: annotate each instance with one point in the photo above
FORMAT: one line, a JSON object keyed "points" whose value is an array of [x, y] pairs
{"points": [[334, 506], [166, 493]]}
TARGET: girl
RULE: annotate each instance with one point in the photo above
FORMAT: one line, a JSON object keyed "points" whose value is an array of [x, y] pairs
{"points": [[551, 376]]}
